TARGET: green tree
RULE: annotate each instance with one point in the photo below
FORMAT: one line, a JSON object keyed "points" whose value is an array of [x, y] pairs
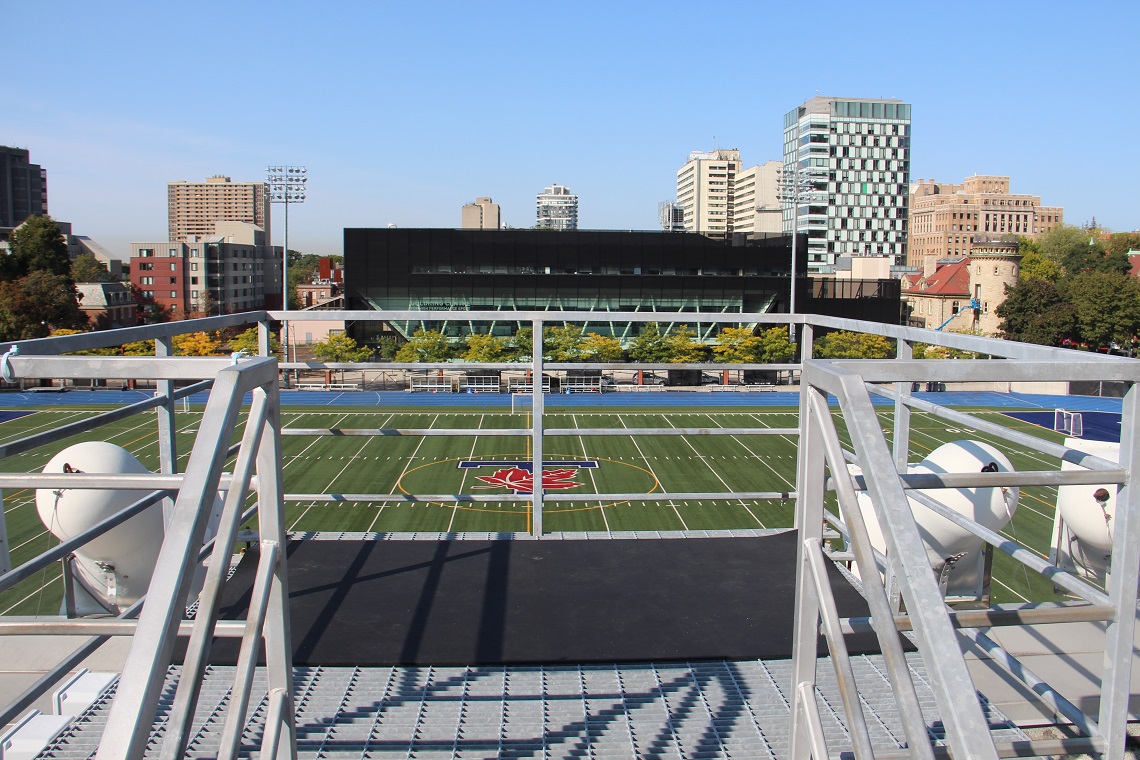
{"points": [[1037, 311], [247, 341], [1079, 250], [34, 305], [562, 344], [737, 345], [1037, 266], [1107, 306], [86, 268], [649, 346], [340, 347], [601, 348], [37, 245], [482, 347], [426, 346], [149, 311], [842, 344], [387, 347], [775, 346], [522, 344], [683, 347]]}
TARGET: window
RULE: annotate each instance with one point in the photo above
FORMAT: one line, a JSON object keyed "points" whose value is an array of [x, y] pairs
{"points": [[193, 266], [173, 266], [174, 294], [193, 280], [172, 252], [194, 294], [146, 253]]}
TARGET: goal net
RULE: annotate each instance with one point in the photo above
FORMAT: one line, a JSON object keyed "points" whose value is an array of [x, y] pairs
{"points": [[1069, 423]]}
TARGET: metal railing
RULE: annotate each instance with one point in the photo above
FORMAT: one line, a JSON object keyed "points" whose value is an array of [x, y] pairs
{"points": [[900, 573]]}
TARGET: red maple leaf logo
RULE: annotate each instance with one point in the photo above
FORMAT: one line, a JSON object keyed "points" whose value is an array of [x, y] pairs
{"points": [[522, 481]]}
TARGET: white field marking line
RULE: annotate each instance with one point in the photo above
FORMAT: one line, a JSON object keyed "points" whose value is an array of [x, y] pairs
{"points": [[645, 459], [39, 535], [593, 482], [757, 457], [404, 472], [50, 425], [701, 457], [36, 592], [1007, 588], [754, 517], [312, 443], [462, 481], [997, 442], [347, 464]]}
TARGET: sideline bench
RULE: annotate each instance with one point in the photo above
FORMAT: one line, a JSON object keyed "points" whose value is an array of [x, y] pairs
{"points": [[329, 387], [434, 386]]}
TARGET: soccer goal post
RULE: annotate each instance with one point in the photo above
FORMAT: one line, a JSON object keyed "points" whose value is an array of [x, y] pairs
{"points": [[1070, 423]]}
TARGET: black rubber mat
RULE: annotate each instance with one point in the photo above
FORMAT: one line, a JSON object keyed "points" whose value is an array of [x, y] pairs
{"points": [[373, 603]]}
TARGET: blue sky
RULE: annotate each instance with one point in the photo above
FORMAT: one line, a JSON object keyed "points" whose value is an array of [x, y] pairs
{"points": [[404, 111]]}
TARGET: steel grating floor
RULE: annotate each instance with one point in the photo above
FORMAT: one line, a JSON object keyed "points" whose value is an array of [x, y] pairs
{"points": [[714, 709]]}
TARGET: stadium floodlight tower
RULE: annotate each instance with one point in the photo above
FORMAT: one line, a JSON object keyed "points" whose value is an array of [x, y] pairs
{"points": [[794, 187], [286, 185]]}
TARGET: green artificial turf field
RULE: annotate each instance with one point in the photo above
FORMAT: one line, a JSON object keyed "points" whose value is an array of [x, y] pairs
{"points": [[654, 465]]}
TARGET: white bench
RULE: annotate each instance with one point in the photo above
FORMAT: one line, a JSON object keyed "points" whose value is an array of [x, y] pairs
{"points": [[639, 388], [434, 386], [329, 387], [764, 387]]}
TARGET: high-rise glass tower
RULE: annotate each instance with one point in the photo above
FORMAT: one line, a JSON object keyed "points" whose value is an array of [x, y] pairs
{"points": [[854, 157]]}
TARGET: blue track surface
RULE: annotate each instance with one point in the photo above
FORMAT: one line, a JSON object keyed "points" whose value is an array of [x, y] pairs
{"points": [[1097, 426], [635, 399]]}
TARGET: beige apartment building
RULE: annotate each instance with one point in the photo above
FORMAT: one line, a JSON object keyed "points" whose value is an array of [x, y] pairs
{"points": [[194, 207], [755, 199], [945, 219], [705, 190], [481, 215]]}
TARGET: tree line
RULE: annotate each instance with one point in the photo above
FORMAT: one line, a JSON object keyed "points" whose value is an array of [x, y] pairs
{"points": [[1074, 289]]}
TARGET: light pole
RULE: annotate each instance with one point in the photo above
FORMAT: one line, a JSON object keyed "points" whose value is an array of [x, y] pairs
{"points": [[795, 187], [286, 184]]}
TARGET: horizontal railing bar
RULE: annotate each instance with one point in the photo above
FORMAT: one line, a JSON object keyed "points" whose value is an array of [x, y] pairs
{"points": [[1004, 370], [107, 367], [111, 481], [1026, 557], [548, 497], [1001, 615], [62, 344], [226, 629], [931, 481], [1081, 745], [1041, 445], [521, 367], [29, 568], [480, 432]]}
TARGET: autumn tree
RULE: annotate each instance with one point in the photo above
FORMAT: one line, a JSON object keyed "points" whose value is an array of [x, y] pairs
{"points": [[426, 346], [247, 341], [522, 343], [483, 347], [776, 347], [842, 344], [562, 344], [601, 348], [196, 344], [683, 347], [737, 345]]}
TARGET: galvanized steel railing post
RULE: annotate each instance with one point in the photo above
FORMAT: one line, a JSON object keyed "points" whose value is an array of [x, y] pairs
{"points": [[1124, 568], [809, 524], [900, 439], [271, 522], [167, 424], [537, 401]]}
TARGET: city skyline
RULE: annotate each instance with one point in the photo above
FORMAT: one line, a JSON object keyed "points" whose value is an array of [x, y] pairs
{"points": [[374, 101]]}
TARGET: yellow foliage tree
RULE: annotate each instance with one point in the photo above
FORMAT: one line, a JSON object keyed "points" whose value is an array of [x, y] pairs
{"points": [[197, 344]]}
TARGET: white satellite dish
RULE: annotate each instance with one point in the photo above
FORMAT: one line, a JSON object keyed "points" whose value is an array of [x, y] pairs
{"points": [[1087, 512]]}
